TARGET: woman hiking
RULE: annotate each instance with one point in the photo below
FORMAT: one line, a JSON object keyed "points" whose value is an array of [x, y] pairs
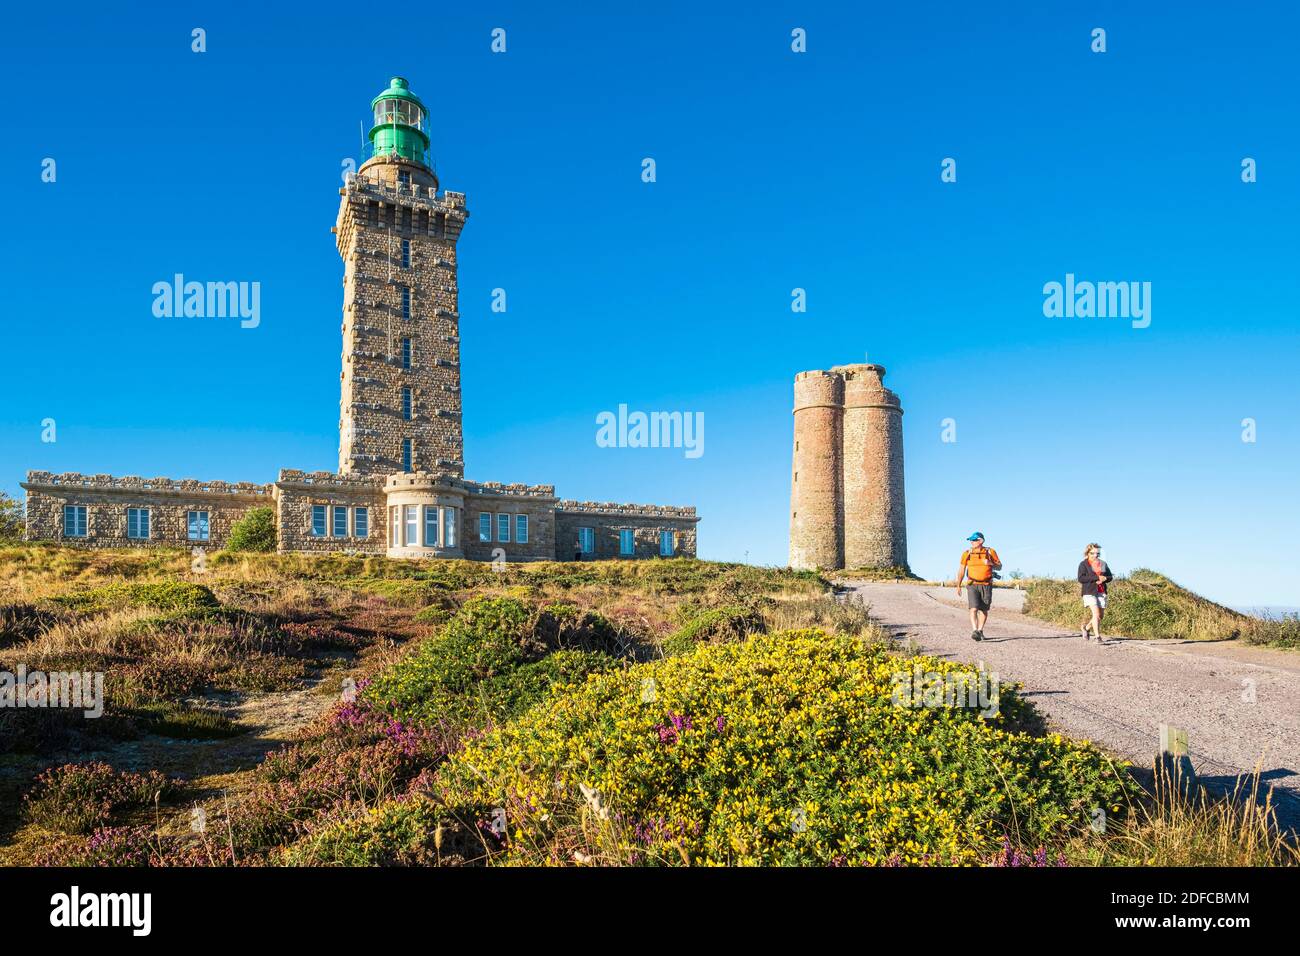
{"points": [[1093, 577]]}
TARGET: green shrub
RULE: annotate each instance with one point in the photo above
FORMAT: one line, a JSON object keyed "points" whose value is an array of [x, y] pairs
{"points": [[787, 749], [255, 531], [491, 661], [182, 722], [178, 598], [407, 832], [727, 623], [12, 521]]}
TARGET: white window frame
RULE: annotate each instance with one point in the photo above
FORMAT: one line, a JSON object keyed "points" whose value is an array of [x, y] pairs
{"points": [[482, 534], [449, 527], [503, 528], [361, 522], [141, 515], [196, 528], [395, 526], [80, 521], [629, 536], [521, 529], [411, 525], [335, 511], [431, 511], [323, 512]]}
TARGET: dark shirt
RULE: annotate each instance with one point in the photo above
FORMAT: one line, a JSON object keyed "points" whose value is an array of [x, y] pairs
{"points": [[1089, 579]]}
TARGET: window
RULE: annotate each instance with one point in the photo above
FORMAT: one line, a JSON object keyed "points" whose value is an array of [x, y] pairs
{"points": [[340, 522], [406, 404], [318, 521], [449, 526], [666, 546], [587, 540], [395, 524], [503, 527], [137, 522], [406, 353], [484, 526], [412, 525], [406, 253], [196, 523], [626, 544], [406, 301], [408, 455], [402, 175], [430, 526], [361, 522], [74, 521], [521, 528]]}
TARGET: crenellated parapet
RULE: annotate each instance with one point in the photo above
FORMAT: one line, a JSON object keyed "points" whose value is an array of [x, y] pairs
{"points": [[75, 482], [614, 508]]}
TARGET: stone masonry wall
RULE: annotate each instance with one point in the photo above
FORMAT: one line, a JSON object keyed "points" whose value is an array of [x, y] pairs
{"points": [[376, 213], [296, 492], [606, 519], [537, 502], [107, 498]]}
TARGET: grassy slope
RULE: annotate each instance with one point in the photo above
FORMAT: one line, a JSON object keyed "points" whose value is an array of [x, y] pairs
{"points": [[1149, 605], [764, 689]]}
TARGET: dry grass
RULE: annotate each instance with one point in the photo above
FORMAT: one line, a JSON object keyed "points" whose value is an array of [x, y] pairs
{"points": [[1175, 829], [1147, 605]]}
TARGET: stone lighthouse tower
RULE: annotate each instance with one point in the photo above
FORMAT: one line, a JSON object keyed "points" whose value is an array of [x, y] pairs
{"points": [[400, 408], [846, 490]]}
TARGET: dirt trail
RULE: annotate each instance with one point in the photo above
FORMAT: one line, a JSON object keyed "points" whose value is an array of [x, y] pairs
{"points": [[1240, 705]]}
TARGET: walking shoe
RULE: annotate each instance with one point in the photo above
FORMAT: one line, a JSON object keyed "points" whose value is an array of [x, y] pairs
{"points": [[1084, 631], [980, 632], [976, 636]]}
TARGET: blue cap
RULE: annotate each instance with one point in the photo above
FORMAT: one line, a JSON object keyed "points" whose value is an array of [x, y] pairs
{"points": [[977, 536]]}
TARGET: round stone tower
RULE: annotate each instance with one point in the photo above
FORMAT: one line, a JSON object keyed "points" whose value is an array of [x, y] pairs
{"points": [[875, 519], [816, 493]]}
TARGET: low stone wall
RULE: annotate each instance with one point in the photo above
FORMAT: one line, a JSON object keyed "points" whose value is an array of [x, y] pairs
{"points": [[607, 519], [106, 499], [296, 492]]}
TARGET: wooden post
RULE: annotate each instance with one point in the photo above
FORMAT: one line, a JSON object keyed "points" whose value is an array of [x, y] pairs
{"points": [[1174, 761]]}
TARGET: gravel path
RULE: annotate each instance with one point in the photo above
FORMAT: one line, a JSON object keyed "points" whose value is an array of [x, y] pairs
{"points": [[1118, 694]]}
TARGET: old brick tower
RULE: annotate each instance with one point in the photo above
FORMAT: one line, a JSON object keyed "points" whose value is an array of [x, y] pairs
{"points": [[400, 408], [846, 486]]}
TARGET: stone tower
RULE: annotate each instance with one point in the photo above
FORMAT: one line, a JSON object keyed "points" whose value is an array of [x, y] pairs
{"points": [[400, 408], [846, 492]]}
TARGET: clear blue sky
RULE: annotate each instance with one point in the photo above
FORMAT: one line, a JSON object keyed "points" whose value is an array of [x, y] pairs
{"points": [[775, 170]]}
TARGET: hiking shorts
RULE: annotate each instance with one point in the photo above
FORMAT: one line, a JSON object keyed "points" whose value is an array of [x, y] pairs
{"points": [[1095, 600], [979, 597]]}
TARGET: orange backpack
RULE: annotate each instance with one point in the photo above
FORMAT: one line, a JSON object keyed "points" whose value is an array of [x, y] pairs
{"points": [[979, 564]]}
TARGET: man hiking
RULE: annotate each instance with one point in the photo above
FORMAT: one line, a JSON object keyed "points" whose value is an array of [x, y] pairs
{"points": [[978, 564]]}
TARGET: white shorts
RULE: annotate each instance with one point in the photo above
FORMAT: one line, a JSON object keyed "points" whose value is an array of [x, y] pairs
{"points": [[1094, 600]]}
